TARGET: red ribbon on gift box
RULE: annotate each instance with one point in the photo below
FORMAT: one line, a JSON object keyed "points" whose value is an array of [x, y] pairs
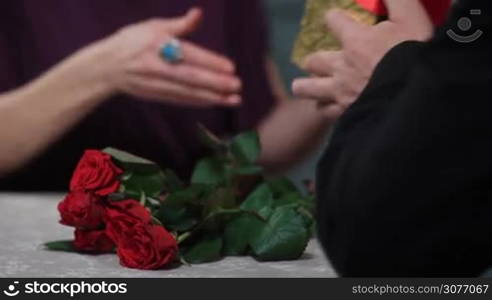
{"points": [[438, 9]]}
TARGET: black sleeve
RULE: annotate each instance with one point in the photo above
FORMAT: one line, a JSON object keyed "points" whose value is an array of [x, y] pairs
{"points": [[405, 188]]}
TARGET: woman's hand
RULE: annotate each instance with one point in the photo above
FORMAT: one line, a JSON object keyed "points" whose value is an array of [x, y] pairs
{"points": [[35, 115], [340, 76], [134, 65]]}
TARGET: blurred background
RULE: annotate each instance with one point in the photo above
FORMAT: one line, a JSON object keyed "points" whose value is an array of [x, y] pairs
{"points": [[285, 17], [284, 21]]}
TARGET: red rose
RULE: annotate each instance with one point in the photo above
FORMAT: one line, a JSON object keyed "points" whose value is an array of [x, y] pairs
{"points": [[121, 216], [128, 208], [147, 247], [96, 173], [93, 241], [81, 210], [140, 245]]}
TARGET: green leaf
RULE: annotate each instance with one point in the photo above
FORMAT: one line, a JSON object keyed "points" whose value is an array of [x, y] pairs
{"points": [[248, 170], [207, 249], [308, 219], [296, 200], [130, 162], [156, 221], [124, 156], [182, 210], [143, 198], [135, 183], [239, 232], [153, 202], [260, 201], [172, 182], [184, 225], [170, 214], [216, 219], [209, 171], [220, 199], [65, 246], [309, 203], [176, 218], [210, 140], [288, 199], [190, 195], [246, 147], [281, 186], [284, 237]]}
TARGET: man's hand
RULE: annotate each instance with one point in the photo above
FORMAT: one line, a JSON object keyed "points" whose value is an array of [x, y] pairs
{"points": [[340, 76]]}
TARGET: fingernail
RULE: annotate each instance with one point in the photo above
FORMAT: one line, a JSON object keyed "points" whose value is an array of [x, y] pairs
{"points": [[295, 85], [233, 99], [237, 85], [229, 67], [194, 10]]}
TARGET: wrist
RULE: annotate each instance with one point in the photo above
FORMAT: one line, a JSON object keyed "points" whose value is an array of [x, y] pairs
{"points": [[76, 83], [102, 67], [84, 77], [92, 70]]}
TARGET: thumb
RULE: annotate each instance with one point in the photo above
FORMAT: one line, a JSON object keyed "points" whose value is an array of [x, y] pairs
{"points": [[343, 26], [410, 12], [185, 24]]}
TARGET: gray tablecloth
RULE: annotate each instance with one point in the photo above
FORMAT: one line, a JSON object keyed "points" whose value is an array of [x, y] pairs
{"points": [[29, 220]]}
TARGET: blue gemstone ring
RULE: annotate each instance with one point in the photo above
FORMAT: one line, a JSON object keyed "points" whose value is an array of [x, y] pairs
{"points": [[172, 51]]}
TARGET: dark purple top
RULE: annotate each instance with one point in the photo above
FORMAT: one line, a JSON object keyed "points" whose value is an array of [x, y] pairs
{"points": [[35, 35]]}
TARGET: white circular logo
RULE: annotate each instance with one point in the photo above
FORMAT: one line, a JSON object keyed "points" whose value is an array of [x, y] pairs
{"points": [[11, 290]]}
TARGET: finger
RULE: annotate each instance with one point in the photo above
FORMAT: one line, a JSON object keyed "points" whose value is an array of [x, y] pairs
{"points": [[344, 27], [411, 12], [202, 57], [177, 93], [332, 111], [322, 63], [321, 89], [183, 25], [195, 76], [219, 82]]}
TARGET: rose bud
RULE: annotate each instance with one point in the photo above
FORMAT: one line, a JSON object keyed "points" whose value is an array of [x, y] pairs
{"points": [[146, 247], [93, 241], [121, 216], [81, 210], [96, 173]]}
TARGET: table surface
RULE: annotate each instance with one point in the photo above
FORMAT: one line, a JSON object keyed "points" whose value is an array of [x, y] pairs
{"points": [[29, 220]]}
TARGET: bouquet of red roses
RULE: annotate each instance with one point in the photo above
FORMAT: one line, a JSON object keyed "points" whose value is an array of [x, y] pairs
{"points": [[152, 219]]}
